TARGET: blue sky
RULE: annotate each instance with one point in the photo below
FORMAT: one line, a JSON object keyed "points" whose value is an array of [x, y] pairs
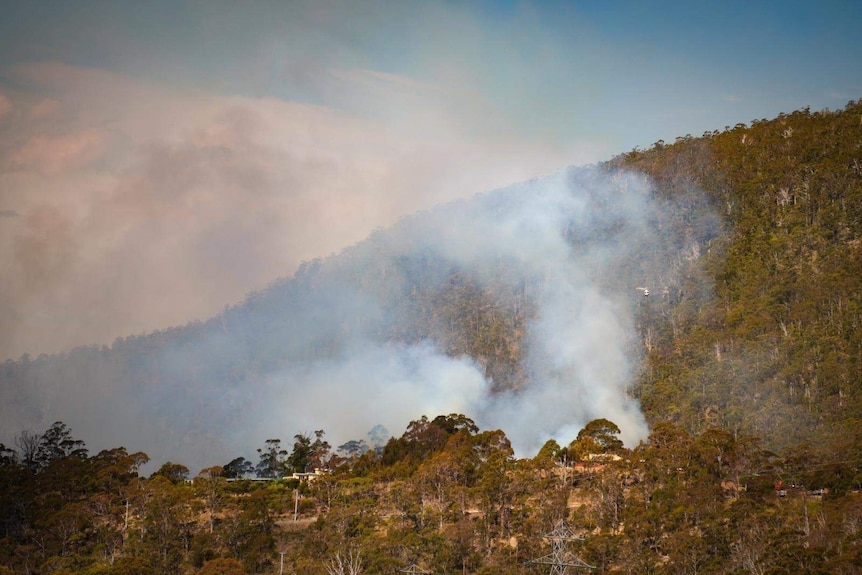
{"points": [[624, 73], [158, 160]]}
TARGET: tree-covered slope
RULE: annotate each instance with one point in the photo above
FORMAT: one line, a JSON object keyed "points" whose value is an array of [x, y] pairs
{"points": [[775, 350]]}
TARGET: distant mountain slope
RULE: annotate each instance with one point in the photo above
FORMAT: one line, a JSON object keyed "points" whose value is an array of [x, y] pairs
{"points": [[527, 305]]}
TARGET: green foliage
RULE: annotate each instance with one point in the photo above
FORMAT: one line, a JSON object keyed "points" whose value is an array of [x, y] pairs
{"points": [[309, 454], [222, 567], [549, 451], [599, 436], [173, 472], [57, 442], [713, 502], [238, 468], [763, 340], [273, 460]]}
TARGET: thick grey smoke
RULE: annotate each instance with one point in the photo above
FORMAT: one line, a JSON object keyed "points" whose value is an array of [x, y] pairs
{"points": [[579, 345]]}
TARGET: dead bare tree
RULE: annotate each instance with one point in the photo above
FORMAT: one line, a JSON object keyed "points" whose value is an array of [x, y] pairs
{"points": [[345, 564], [28, 443]]}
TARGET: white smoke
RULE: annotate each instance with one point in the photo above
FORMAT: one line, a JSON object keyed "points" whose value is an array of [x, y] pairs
{"points": [[368, 385], [316, 353], [567, 236]]}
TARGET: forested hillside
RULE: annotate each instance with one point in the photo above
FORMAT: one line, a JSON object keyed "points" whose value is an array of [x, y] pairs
{"points": [[746, 311], [775, 350]]}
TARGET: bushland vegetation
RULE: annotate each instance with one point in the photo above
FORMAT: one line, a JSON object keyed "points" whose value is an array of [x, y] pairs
{"points": [[444, 497]]}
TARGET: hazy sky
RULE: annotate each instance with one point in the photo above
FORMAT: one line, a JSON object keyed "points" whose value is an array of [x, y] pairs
{"points": [[158, 160]]}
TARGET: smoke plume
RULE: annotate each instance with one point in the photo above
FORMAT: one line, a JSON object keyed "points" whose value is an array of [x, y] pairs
{"points": [[577, 240], [338, 346]]}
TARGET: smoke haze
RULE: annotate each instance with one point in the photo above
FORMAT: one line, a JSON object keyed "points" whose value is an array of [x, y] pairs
{"points": [[159, 164], [138, 208], [575, 246], [158, 161], [579, 238]]}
